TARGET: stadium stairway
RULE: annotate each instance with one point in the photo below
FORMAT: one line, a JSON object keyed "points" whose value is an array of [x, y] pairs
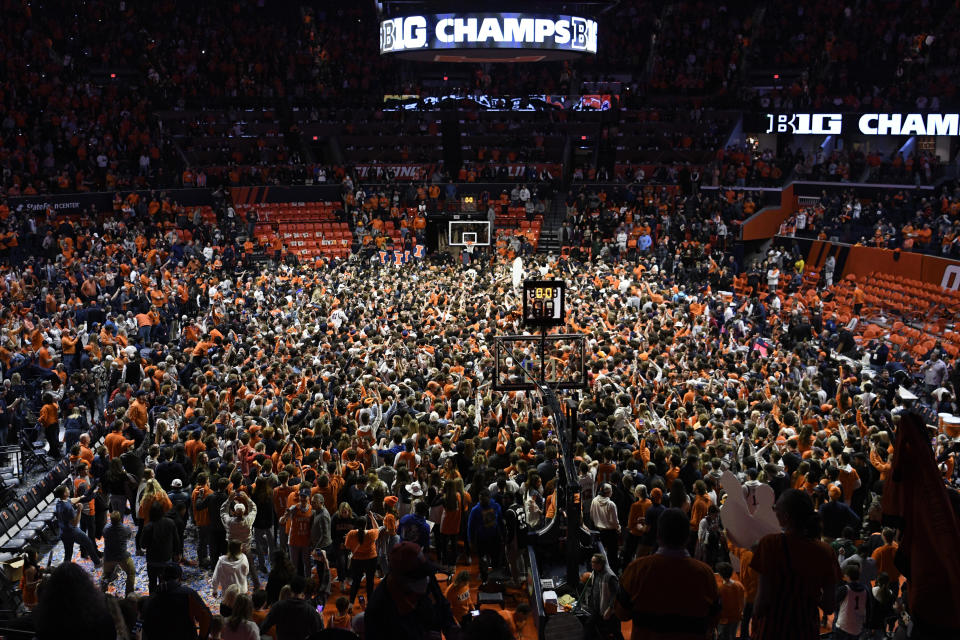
{"points": [[550, 241]]}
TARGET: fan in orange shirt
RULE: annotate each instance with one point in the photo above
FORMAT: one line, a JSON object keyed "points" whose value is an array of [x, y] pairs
{"points": [[458, 595], [732, 600], [115, 443], [884, 556], [342, 617], [50, 422], [362, 543]]}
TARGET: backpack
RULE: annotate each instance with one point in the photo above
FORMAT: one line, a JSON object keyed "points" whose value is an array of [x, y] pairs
{"points": [[532, 515], [713, 549]]}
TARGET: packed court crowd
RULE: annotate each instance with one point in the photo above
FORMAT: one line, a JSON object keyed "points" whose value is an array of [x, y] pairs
{"points": [[299, 428]]}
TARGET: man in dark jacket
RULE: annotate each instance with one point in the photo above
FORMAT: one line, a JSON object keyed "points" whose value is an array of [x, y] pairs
{"points": [[218, 533], [648, 541], [355, 495], [175, 611], [162, 543], [177, 494], [413, 526], [70, 533], [836, 515], [169, 470], [294, 617], [485, 533]]}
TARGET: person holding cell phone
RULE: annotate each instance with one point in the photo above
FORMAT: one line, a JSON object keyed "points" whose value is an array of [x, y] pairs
{"points": [[362, 543]]}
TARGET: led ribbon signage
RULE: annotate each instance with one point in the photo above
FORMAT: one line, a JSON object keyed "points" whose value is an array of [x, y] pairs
{"points": [[488, 31], [868, 124]]}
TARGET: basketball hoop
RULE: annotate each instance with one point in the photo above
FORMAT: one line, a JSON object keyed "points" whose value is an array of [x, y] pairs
{"points": [[469, 245]]}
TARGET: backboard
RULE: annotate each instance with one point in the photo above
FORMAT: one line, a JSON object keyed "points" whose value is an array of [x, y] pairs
{"points": [[459, 232], [556, 361]]}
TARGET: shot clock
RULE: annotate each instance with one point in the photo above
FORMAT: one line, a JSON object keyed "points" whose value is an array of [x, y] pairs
{"points": [[543, 302]]}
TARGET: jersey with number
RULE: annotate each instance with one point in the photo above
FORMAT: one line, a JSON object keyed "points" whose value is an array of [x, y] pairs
{"points": [[853, 607], [299, 522], [750, 494]]}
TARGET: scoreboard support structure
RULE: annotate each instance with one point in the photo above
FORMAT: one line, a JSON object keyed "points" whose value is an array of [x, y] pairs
{"points": [[543, 307]]}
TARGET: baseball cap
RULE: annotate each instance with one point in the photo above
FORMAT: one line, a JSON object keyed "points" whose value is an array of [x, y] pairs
{"points": [[390, 501], [239, 508], [304, 492], [177, 483]]}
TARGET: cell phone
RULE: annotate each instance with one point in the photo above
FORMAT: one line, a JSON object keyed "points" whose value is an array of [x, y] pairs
{"points": [[319, 608], [475, 613]]}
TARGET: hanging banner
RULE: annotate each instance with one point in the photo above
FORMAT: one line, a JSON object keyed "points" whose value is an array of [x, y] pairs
{"points": [[398, 257]]}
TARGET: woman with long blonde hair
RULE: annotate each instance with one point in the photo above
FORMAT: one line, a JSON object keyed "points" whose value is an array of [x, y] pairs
{"points": [[153, 492]]}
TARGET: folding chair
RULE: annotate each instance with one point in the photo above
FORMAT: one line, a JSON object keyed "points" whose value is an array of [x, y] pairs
{"points": [[34, 451]]}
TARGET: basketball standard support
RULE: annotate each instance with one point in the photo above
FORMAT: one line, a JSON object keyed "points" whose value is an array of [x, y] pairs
{"points": [[566, 421]]}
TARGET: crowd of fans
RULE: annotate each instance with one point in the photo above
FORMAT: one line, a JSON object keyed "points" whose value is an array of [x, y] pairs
{"points": [[700, 47], [749, 166], [623, 222], [62, 129], [111, 68], [927, 222], [267, 425], [818, 49], [292, 447]]}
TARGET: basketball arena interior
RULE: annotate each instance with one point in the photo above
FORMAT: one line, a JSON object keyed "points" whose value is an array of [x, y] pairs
{"points": [[502, 320]]}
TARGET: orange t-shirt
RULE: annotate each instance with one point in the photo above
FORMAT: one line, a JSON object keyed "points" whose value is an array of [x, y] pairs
{"points": [[732, 598], [116, 443], [338, 621], [459, 598], [365, 549], [883, 556], [193, 449], [699, 510], [330, 493]]}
